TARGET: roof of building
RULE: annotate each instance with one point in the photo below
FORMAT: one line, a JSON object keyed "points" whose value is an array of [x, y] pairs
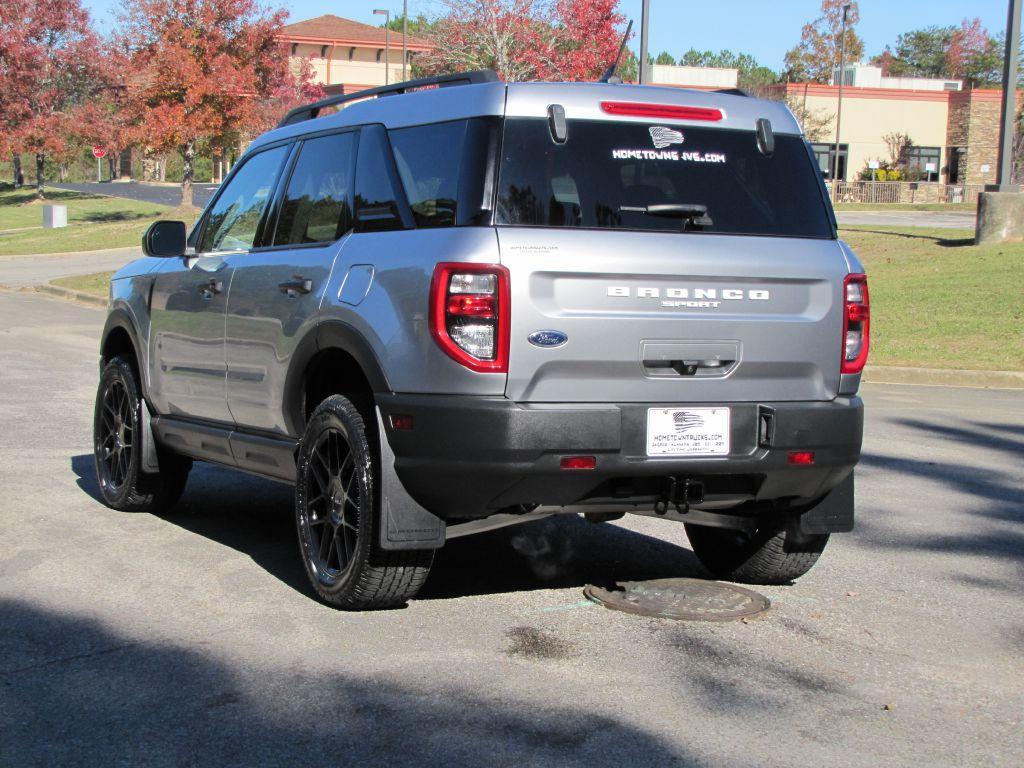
{"points": [[334, 29]]}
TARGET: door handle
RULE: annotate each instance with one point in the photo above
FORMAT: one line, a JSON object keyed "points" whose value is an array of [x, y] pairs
{"points": [[296, 286], [211, 287]]}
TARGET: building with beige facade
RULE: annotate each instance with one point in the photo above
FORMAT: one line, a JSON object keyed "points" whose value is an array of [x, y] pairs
{"points": [[347, 55], [954, 133]]}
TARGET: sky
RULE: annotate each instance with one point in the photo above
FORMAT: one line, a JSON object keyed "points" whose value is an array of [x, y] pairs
{"points": [[765, 29]]}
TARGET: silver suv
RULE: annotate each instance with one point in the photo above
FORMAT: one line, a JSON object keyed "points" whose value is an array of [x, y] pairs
{"points": [[456, 303]]}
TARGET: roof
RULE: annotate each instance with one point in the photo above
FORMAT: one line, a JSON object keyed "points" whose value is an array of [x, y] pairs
{"points": [[581, 101], [334, 29]]}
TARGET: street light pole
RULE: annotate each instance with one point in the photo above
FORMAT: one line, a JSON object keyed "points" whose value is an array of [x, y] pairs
{"points": [[839, 108], [387, 42], [1009, 112], [645, 18], [405, 38]]}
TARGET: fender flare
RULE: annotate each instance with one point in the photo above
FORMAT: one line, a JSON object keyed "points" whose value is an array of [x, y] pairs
{"points": [[329, 334], [120, 319]]}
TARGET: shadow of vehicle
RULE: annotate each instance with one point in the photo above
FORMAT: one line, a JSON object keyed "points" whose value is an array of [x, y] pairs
{"points": [[254, 516], [74, 691]]}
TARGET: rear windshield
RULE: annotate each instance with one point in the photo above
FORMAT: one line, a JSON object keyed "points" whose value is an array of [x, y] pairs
{"points": [[654, 177]]}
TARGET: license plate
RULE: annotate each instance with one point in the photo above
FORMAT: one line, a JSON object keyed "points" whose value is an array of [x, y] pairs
{"points": [[687, 431]]}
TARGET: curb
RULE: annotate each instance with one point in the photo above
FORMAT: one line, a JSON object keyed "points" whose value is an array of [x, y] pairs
{"points": [[942, 377], [67, 294]]}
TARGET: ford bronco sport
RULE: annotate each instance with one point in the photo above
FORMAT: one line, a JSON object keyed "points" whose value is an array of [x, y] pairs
{"points": [[457, 303]]}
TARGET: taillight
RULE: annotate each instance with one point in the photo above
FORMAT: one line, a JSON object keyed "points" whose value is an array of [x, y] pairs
{"points": [[856, 323], [661, 111], [470, 314]]}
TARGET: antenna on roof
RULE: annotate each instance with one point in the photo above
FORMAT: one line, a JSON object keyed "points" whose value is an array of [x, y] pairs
{"points": [[609, 75]]}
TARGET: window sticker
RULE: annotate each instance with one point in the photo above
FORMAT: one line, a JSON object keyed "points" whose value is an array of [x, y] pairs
{"points": [[663, 137]]}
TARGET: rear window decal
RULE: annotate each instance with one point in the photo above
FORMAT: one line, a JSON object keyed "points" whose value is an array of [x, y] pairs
{"points": [[670, 155]]}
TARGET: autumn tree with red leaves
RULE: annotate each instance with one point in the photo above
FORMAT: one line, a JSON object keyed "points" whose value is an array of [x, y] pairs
{"points": [[50, 67], [203, 71], [526, 39]]}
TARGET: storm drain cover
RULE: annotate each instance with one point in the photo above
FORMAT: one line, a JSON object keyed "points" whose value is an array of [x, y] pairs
{"points": [[684, 599]]}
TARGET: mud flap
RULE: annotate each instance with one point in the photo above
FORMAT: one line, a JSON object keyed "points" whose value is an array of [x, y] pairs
{"points": [[833, 514], [404, 523], [150, 459]]}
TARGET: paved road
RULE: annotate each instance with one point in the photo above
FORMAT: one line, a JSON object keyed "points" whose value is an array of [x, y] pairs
{"points": [[937, 219], [19, 271], [192, 639], [164, 194]]}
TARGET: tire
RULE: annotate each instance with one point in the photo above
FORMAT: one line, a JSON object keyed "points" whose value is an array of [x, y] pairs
{"points": [[767, 556], [117, 455], [337, 514]]}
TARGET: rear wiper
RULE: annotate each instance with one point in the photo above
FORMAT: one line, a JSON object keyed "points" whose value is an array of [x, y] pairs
{"points": [[692, 212]]}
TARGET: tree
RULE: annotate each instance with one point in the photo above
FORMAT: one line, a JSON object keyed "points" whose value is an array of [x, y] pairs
{"points": [[752, 75], [816, 123], [920, 53], [817, 54], [202, 71], [51, 65], [526, 39], [665, 58]]}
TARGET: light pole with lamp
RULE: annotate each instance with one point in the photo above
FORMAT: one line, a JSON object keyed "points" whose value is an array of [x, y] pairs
{"points": [[405, 37], [387, 42], [839, 108], [1009, 117]]}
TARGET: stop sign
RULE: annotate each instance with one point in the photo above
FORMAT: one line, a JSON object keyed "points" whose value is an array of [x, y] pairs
{"points": [[98, 152]]}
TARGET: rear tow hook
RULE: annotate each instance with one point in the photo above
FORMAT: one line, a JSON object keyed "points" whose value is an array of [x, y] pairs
{"points": [[680, 495]]}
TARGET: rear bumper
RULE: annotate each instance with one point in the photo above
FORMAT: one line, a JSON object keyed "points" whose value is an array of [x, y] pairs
{"points": [[469, 457]]}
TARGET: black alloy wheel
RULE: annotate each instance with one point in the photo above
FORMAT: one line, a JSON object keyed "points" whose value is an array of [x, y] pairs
{"points": [[333, 507], [115, 441]]}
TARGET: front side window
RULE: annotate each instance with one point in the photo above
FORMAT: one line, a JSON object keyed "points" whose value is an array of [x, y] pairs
{"points": [[233, 221], [317, 207], [611, 175]]}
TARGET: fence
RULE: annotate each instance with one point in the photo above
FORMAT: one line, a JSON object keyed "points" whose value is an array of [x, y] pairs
{"points": [[889, 192]]}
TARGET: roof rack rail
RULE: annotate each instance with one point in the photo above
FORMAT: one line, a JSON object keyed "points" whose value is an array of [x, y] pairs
{"points": [[310, 111], [733, 92]]}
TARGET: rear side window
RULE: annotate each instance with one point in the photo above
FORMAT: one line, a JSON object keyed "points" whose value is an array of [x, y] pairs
{"points": [[444, 170], [428, 159], [653, 177], [234, 219], [376, 198], [317, 207]]}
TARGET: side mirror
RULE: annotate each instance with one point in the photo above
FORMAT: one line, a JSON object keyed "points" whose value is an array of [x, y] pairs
{"points": [[165, 239]]}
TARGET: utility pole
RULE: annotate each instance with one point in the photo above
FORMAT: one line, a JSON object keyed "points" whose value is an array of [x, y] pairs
{"points": [[405, 38], [387, 42], [645, 19], [839, 108], [1009, 114]]}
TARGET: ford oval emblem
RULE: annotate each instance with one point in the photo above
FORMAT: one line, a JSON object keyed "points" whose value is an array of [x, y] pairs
{"points": [[547, 339]]}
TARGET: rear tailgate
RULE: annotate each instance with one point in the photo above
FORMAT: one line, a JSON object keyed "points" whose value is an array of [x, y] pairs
{"points": [[653, 317]]}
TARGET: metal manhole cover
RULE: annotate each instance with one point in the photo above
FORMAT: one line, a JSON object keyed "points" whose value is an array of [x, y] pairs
{"points": [[686, 599]]}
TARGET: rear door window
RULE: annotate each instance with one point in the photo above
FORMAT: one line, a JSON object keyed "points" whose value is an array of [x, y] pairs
{"points": [[317, 206], [636, 176]]}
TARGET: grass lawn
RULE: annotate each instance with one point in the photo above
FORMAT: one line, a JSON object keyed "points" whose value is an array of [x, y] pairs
{"points": [[943, 207], [97, 284], [94, 222], [939, 301]]}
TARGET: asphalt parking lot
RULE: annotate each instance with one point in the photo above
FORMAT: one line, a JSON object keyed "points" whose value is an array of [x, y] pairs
{"points": [[192, 639]]}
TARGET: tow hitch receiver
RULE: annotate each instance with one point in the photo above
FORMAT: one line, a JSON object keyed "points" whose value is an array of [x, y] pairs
{"points": [[681, 493]]}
